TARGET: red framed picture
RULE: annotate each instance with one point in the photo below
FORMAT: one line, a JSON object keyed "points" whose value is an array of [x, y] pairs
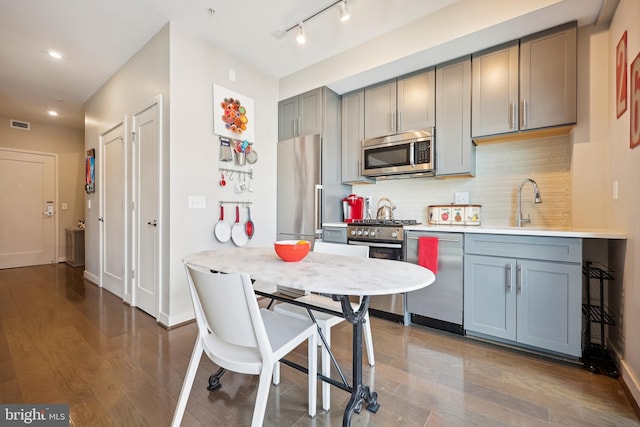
{"points": [[634, 119], [621, 76]]}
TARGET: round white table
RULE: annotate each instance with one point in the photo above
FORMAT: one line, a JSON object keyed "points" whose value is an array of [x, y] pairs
{"points": [[337, 275]]}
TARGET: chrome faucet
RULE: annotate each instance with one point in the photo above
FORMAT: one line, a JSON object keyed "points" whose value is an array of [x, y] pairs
{"points": [[537, 199]]}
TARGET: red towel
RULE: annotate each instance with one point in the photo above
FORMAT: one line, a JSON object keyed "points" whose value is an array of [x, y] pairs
{"points": [[428, 253]]}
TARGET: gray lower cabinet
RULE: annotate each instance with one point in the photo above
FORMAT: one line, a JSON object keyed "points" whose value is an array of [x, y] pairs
{"points": [[334, 234], [455, 152], [524, 290]]}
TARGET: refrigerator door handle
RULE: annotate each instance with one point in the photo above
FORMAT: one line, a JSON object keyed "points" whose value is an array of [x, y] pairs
{"points": [[317, 220]]}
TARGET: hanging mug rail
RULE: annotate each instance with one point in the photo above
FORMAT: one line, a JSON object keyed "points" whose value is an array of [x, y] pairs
{"points": [[234, 202], [236, 171]]}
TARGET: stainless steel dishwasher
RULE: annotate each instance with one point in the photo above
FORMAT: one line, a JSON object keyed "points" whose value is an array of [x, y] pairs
{"points": [[439, 305]]}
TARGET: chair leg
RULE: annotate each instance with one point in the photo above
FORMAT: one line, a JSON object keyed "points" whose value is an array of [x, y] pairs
{"points": [[313, 372], [188, 383], [262, 395], [326, 370], [368, 339], [276, 373]]}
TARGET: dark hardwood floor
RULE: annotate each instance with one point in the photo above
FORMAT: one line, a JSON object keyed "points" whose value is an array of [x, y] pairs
{"points": [[64, 340]]}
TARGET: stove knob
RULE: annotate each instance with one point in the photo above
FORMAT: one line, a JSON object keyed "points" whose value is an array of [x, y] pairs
{"points": [[372, 234], [353, 232], [394, 234], [359, 233], [365, 233]]}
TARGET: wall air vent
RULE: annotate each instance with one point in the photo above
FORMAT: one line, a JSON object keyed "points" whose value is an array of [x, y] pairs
{"points": [[17, 124]]}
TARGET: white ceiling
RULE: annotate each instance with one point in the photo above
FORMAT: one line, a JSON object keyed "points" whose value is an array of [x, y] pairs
{"points": [[97, 37]]}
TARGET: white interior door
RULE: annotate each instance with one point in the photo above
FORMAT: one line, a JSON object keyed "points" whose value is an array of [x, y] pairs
{"points": [[113, 211], [146, 151], [27, 214]]}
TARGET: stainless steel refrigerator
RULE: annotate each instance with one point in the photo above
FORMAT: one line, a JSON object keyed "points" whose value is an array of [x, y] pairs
{"points": [[309, 189]]}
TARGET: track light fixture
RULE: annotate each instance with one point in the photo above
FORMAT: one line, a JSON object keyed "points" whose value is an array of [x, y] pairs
{"points": [[345, 13], [301, 36]]}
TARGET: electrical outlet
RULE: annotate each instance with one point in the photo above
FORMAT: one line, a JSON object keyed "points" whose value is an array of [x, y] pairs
{"points": [[461, 198], [64, 206]]}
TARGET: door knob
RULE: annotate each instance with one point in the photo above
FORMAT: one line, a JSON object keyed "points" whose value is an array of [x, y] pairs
{"points": [[154, 223]]}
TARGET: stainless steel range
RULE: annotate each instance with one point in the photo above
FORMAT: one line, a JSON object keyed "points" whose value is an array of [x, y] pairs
{"points": [[385, 239]]}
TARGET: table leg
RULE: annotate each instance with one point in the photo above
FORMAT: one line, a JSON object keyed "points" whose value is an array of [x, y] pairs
{"points": [[360, 392], [214, 379]]}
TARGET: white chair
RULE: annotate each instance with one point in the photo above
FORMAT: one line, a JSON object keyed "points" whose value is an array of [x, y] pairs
{"points": [[239, 336], [326, 321]]}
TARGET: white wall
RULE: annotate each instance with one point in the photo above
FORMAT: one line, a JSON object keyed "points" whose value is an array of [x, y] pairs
{"points": [[623, 213], [196, 65], [68, 145]]}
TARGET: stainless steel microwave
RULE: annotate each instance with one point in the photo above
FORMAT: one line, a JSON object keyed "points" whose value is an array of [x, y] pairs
{"points": [[409, 153]]}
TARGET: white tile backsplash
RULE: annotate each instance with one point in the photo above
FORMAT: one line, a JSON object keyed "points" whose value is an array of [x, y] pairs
{"points": [[500, 167]]}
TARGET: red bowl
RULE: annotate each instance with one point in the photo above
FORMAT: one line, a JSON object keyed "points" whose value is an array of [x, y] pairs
{"points": [[292, 250]]}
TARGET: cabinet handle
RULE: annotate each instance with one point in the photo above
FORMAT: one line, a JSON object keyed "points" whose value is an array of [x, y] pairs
{"points": [[512, 115], [509, 287], [519, 280], [524, 114], [392, 123]]}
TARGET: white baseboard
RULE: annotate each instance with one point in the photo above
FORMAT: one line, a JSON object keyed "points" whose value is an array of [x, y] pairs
{"points": [[171, 321], [92, 277], [628, 376], [631, 381]]}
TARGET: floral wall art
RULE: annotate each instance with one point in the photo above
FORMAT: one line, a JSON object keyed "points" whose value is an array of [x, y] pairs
{"points": [[233, 114]]}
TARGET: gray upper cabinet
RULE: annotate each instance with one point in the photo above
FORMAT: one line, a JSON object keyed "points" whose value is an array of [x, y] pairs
{"points": [[380, 109], [400, 105], [495, 91], [527, 84], [300, 115], [416, 101], [548, 78], [455, 152], [352, 136]]}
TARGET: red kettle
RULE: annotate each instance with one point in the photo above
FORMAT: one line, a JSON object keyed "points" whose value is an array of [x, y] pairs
{"points": [[353, 208]]}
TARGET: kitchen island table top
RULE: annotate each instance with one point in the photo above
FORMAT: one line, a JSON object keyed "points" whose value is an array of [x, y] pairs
{"points": [[317, 272]]}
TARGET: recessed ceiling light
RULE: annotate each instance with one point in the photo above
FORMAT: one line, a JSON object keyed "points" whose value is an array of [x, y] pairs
{"points": [[53, 113], [55, 54]]}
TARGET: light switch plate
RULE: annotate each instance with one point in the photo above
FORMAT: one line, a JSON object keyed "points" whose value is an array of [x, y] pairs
{"points": [[64, 206], [461, 197], [197, 202]]}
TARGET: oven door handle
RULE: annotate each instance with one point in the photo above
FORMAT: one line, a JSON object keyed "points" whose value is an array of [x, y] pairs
{"points": [[376, 245]]}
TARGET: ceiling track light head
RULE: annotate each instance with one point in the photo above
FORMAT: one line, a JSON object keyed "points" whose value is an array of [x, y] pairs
{"points": [[345, 13], [301, 37]]}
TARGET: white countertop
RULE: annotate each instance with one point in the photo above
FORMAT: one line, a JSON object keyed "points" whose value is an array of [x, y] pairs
{"points": [[317, 272], [515, 231]]}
